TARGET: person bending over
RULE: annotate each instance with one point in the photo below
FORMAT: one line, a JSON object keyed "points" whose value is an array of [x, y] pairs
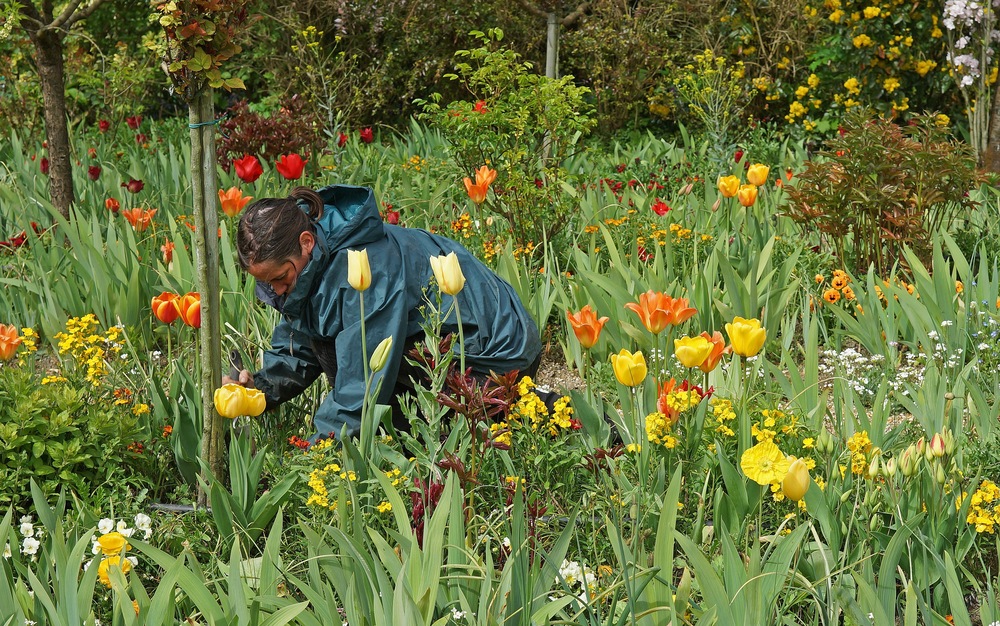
{"points": [[296, 249]]}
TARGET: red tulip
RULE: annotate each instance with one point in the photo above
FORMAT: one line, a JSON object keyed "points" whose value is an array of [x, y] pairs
{"points": [[290, 166], [367, 135], [103, 126], [94, 172], [140, 219], [341, 140], [92, 153], [737, 155], [391, 216], [133, 185], [248, 168], [44, 166], [133, 121], [112, 205], [189, 309], [168, 252], [660, 207], [165, 307], [141, 138]]}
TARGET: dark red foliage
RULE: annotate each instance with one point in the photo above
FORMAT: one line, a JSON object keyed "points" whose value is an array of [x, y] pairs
{"points": [[291, 129]]}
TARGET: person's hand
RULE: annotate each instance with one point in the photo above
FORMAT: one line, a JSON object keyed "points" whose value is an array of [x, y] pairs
{"points": [[245, 379]]}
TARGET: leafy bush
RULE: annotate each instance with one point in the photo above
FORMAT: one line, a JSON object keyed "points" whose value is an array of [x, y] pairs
{"points": [[292, 128], [55, 434], [521, 124], [884, 187]]}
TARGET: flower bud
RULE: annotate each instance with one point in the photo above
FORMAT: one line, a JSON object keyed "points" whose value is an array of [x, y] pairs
{"points": [[907, 461], [381, 355], [874, 523], [949, 442], [936, 446], [796, 482], [939, 474], [448, 273], [873, 468], [359, 273], [844, 497], [890, 467]]}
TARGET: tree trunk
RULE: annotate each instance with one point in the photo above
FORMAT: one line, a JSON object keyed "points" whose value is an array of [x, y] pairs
{"points": [[49, 57], [991, 155], [552, 45], [205, 187]]}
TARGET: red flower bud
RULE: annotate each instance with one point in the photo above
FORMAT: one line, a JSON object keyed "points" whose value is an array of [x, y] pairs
{"points": [[367, 135], [103, 126], [94, 172]]}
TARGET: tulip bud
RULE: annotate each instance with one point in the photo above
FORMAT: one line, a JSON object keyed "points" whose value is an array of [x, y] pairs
{"points": [[381, 355], [939, 474], [843, 528], [448, 273], [359, 273], [873, 468], [906, 465], [844, 497], [796, 482], [920, 446], [949, 442], [890, 467], [874, 523], [687, 189], [936, 446], [716, 205]]}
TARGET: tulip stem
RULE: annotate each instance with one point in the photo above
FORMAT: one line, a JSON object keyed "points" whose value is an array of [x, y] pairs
{"points": [[461, 335], [366, 428]]}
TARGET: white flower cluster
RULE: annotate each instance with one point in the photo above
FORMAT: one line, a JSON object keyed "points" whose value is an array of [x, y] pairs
{"points": [[106, 525], [970, 21], [864, 373], [31, 539], [575, 575]]}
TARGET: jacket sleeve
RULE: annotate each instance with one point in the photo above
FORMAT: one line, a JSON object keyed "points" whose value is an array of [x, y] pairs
{"points": [[386, 315], [289, 367]]}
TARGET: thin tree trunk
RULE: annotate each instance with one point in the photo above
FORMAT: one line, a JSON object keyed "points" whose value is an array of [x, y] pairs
{"points": [[991, 155], [49, 57], [201, 114]]}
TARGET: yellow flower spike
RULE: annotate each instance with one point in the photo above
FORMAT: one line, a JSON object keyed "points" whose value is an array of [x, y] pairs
{"points": [[747, 195], [746, 336], [796, 481], [448, 273], [692, 351], [630, 369], [359, 273], [757, 174], [728, 186]]}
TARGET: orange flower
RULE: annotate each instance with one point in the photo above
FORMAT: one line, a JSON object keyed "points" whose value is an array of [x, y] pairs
{"points": [[168, 252], [140, 219], [165, 307], [819, 279], [848, 293], [747, 195], [839, 282], [189, 308], [586, 325], [233, 201], [719, 349], [657, 310], [831, 296], [484, 178], [9, 341]]}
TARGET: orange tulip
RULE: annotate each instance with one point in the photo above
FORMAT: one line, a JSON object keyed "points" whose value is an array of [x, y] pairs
{"points": [[233, 201], [140, 219], [586, 325], [165, 307], [747, 195], [168, 252], [719, 349], [484, 178], [189, 309], [657, 310], [9, 341]]}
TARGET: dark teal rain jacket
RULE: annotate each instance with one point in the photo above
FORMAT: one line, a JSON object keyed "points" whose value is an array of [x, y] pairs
{"points": [[320, 330]]}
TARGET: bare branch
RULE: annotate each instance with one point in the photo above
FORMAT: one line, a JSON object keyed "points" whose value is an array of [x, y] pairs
{"points": [[534, 10], [84, 13], [575, 14], [60, 21]]}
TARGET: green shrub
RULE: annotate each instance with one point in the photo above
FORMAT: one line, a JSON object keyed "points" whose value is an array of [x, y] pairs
{"points": [[884, 187], [56, 434]]}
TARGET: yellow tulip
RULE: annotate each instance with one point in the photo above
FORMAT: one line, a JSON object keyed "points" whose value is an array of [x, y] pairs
{"points": [[381, 355], [796, 482], [757, 174], [448, 273], [234, 400], [692, 351], [728, 186], [359, 273], [746, 336], [630, 369], [747, 195], [112, 543]]}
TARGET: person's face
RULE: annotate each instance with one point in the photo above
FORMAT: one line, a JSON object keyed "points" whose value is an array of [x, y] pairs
{"points": [[281, 275]]}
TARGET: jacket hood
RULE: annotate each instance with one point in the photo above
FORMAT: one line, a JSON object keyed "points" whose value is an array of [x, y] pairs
{"points": [[350, 220]]}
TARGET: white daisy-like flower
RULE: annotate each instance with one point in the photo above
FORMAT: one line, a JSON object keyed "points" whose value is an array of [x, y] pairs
{"points": [[27, 529], [143, 522], [106, 525], [124, 529], [456, 614]]}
